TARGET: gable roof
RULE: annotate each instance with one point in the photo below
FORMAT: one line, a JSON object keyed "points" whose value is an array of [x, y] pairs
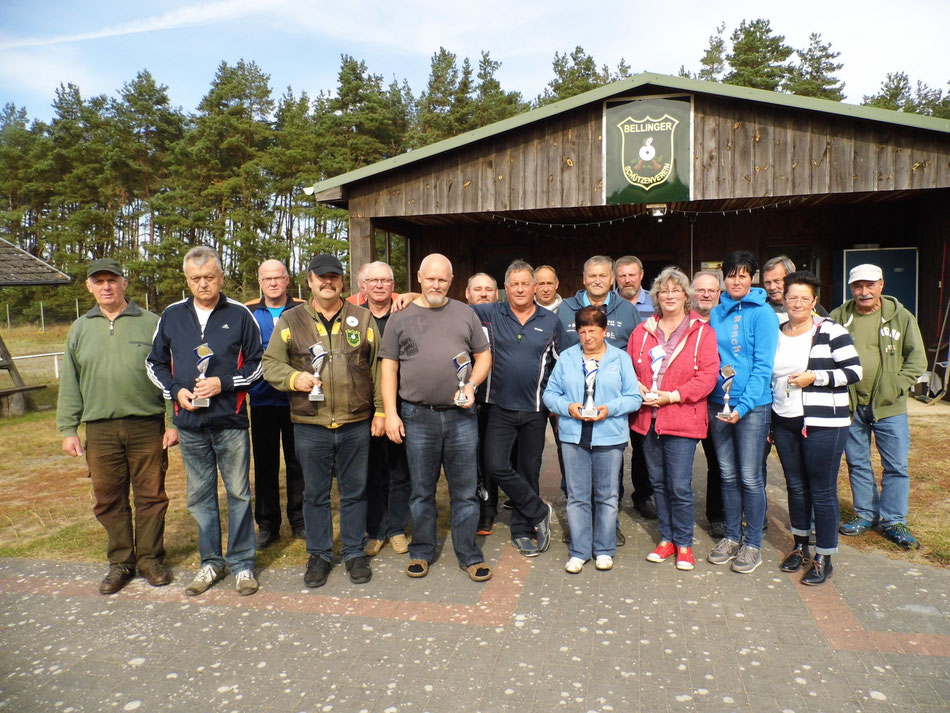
{"points": [[660, 81], [18, 268]]}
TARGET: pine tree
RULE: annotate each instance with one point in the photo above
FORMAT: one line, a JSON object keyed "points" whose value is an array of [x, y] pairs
{"points": [[813, 75], [713, 61], [896, 94], [758, 57], [574, 73], [492, 103]]}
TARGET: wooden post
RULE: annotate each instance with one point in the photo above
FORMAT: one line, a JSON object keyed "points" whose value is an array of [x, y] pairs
{"points": [[42, 318], [361, 248], [77, 308], [8, 315]]}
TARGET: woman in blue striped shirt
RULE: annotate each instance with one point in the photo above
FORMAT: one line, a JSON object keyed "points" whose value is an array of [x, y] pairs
{"points": [[814, 363]]}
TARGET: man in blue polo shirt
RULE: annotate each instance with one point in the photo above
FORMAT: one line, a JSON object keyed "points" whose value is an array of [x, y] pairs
{"points": [[524, 341]]}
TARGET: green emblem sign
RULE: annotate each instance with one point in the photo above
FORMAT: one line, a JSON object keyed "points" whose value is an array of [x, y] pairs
{"points": [[352, 337], [647, 150]]}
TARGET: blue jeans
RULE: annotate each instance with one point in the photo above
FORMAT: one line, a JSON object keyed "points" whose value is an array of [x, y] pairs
{"points": [[739, 451], [205, 452], [892, 436], [322, 452], [434, 440], [811, 478], [592, 474], [670, 465]]}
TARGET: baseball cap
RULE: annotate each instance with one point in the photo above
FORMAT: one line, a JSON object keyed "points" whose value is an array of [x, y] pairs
{"points": [[104, 264], [871, 273], [324, 264]]}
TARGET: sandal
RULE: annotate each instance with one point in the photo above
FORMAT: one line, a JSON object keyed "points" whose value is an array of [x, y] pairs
{"points": [[478, 572], [417, 568]]}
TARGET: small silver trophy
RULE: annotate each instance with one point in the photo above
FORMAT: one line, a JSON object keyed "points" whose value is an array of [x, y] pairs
{"points": [[318, 355], [204, 354], [590, 376], [657, 355], [728, 374], [463, 367]]}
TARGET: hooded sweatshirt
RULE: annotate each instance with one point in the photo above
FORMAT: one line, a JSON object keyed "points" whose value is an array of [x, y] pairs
{"points": [[622, 317], [747, 337]]}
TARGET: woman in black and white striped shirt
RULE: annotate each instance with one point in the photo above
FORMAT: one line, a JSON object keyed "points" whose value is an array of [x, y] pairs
{"points": [[814, 363]]}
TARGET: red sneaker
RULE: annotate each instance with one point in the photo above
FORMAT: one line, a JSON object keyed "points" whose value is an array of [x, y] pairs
{"points": [[662, 551], [684, 558]]}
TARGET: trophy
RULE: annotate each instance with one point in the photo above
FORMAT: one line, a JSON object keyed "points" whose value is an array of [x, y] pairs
{"points": [[590, 376], [657, 355], [463, 367], [728, 374], [318, 355], [204, 354]]}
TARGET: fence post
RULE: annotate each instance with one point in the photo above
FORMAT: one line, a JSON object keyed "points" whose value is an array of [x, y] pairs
{"points": [[56, 365], [42, 318], [77, 308], [8, 315]]}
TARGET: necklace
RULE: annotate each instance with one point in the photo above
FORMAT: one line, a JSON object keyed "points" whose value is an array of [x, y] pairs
{"points": [[796, 330]]}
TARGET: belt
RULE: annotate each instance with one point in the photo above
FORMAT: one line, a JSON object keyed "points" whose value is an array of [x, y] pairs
{"points": [[431, 407]]}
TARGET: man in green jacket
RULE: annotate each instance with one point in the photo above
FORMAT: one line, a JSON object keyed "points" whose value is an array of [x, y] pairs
{"points": [[103, 385], [331, 344], [892, 354]]}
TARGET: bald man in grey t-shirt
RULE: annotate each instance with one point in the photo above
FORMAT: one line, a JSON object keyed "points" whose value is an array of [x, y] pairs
{"points": [[417, 354]]}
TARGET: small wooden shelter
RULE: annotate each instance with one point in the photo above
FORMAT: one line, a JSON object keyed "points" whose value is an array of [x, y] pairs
{"points": [[725, 168]]}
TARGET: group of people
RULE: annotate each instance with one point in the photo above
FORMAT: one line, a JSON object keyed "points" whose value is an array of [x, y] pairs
{"points": [[387, 392]]}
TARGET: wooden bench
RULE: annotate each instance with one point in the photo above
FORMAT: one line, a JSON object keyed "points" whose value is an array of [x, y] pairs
{"points": [[12, 401]]}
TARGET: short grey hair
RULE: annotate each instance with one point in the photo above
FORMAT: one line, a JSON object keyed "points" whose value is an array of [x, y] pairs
{"points": [[677, 277], [361, 275], [712, 273], [627, 260], [201, 254], [599, 260], [520, 266], [494, 282], [782, 260]]}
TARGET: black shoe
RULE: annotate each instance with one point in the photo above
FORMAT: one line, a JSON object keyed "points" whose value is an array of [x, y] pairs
{"points": [[265, 538], [544, 529], [819, 571], [507, 505], [359, 570], [717, 529], [119, 575], [300, 533], [646, 508], [794, 560], [526, 546], [621, 540], [318, 569]]}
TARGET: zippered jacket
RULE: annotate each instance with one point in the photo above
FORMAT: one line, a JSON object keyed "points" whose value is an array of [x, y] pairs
{"points": [[747, 335], [350, 372], [691, 373], [233, 336], [103, 373], [261, 392], [835, 362], [615, 387], [622, 317], [903, 356]]}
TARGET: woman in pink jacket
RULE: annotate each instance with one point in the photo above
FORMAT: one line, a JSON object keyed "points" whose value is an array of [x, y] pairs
{"points": [[676, 360]]}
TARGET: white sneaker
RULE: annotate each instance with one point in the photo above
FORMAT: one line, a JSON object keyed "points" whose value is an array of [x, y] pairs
{"points": [[246, 584], [574, 565], [206, 577], [604, 562]]}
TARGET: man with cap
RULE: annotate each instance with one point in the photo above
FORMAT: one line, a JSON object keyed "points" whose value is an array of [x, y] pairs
{"points": [[270, 420], [332, 424], [892, 354], [206, 353], [104, 386]]}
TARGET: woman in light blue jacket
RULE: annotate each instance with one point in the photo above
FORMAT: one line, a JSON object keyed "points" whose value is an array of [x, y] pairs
{"points": [[592, 438]]}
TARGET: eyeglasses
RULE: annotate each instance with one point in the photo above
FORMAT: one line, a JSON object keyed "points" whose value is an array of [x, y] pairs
{"points": [[799, 300], [379, 281], [273, 279], [677, 291], [707, 292]]}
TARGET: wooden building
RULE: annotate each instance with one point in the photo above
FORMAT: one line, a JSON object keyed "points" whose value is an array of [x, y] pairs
{"points": [[761, 171]]}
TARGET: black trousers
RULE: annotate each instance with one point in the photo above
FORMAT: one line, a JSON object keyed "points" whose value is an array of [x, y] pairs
{"points": [[639, 477], [269, 426], [504, 431], [714, 512]]}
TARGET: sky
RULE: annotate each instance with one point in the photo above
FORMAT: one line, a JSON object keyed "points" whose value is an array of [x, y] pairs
{"points": [[99, 45]]}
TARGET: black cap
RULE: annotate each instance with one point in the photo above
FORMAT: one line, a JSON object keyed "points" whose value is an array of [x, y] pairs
{"points": [[325, 264], [104, 264]]}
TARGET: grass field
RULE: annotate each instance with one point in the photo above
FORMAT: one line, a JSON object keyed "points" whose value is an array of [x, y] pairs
{"points": [[46, 499]]}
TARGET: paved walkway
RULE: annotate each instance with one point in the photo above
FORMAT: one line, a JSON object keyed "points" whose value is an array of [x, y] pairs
{"points": [[642, 637]]}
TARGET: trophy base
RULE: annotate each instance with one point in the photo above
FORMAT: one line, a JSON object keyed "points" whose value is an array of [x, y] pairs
{"points": [[201, 403], [589, 413], [461, 401], [317, 397], [651, 396], [724, 414]]}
